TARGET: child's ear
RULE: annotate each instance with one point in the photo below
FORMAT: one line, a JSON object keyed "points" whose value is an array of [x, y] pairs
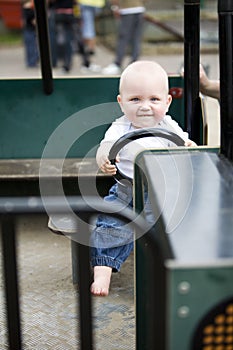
{"points": [[119, 98], [119, 101], [169, 101]]}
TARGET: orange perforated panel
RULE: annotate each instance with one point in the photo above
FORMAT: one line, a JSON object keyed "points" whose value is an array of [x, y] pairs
{"points": [[215, 332]]}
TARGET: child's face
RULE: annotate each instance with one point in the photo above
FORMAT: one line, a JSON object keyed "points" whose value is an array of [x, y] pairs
{"points": [[144, 101]]}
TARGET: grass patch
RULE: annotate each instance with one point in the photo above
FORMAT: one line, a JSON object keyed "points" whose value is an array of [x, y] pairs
{"points": [[11, 38]]}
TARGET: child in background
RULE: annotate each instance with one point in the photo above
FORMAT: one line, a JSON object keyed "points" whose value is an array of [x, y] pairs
{"points": [[144, 100]]}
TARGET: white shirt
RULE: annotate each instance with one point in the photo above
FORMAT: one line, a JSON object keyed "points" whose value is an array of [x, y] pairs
{"points": [[132, 10], [127, 154]]}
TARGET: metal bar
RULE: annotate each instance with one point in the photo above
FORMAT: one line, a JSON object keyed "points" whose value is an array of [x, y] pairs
{"points": [[225, 14], [45, 57], [12, 206], [82, 279], [85, 305], [150, 295], [150, 250], [11, 283], [74, 254], [164, 26], [191, 68]]}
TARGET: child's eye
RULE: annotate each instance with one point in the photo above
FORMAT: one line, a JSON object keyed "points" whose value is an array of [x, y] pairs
{"points": [[154, 99], [134, 99]]}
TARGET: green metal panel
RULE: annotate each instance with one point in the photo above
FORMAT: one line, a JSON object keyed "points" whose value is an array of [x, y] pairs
{"points": [[176, 294], [192, 293], [176, 109], [29, 117]]}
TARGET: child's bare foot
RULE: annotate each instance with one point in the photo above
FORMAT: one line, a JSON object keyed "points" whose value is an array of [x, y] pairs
{"points": [[102, 278]]}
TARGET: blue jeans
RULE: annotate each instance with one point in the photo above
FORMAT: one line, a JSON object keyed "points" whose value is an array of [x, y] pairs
{"points": [[88, 14], [31, 48], [113, 240], [64, 38]]}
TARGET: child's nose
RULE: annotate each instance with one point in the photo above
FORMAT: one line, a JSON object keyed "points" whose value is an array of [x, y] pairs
{"points": [[145, 105]]}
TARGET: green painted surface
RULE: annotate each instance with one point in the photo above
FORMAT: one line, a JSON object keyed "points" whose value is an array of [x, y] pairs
{"points": [[29, 117], [79, 109], [209, 287], [193, 289]]}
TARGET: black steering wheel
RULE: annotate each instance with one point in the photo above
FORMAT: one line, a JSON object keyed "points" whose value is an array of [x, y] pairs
{"points": [[136, 134]]}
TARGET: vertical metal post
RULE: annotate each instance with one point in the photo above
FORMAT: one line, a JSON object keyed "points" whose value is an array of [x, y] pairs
{"points": [[44, 46], [84, 277], [191, 68], [225, 14], [74, 255], [11, 283]]}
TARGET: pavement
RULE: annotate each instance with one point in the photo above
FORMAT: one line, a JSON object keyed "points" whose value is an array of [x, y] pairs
{"points": [[49, 300]]}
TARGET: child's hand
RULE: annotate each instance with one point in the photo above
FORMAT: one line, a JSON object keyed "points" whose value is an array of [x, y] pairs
{"points": [[190, 143], [109, 168]]}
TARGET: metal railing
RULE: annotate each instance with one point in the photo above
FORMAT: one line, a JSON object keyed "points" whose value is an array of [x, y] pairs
{"points": [[10, 209]]}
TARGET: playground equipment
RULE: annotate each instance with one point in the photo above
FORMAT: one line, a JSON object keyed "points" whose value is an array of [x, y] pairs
{"points": [[189, 304], [184, 263]]}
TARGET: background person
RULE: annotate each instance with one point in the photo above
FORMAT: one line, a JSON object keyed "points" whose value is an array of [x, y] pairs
{"points": [[130, 29], [29, 34], [209, 87], [64, 17], [89, 10]]}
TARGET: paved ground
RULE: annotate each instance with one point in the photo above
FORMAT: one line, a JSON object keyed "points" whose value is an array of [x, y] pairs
{"points": [[49, 299]]}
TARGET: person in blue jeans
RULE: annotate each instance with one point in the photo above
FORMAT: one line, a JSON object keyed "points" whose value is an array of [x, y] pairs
{"points": [[144, 100], [29, 34], [64, 19], [89, 10]]}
